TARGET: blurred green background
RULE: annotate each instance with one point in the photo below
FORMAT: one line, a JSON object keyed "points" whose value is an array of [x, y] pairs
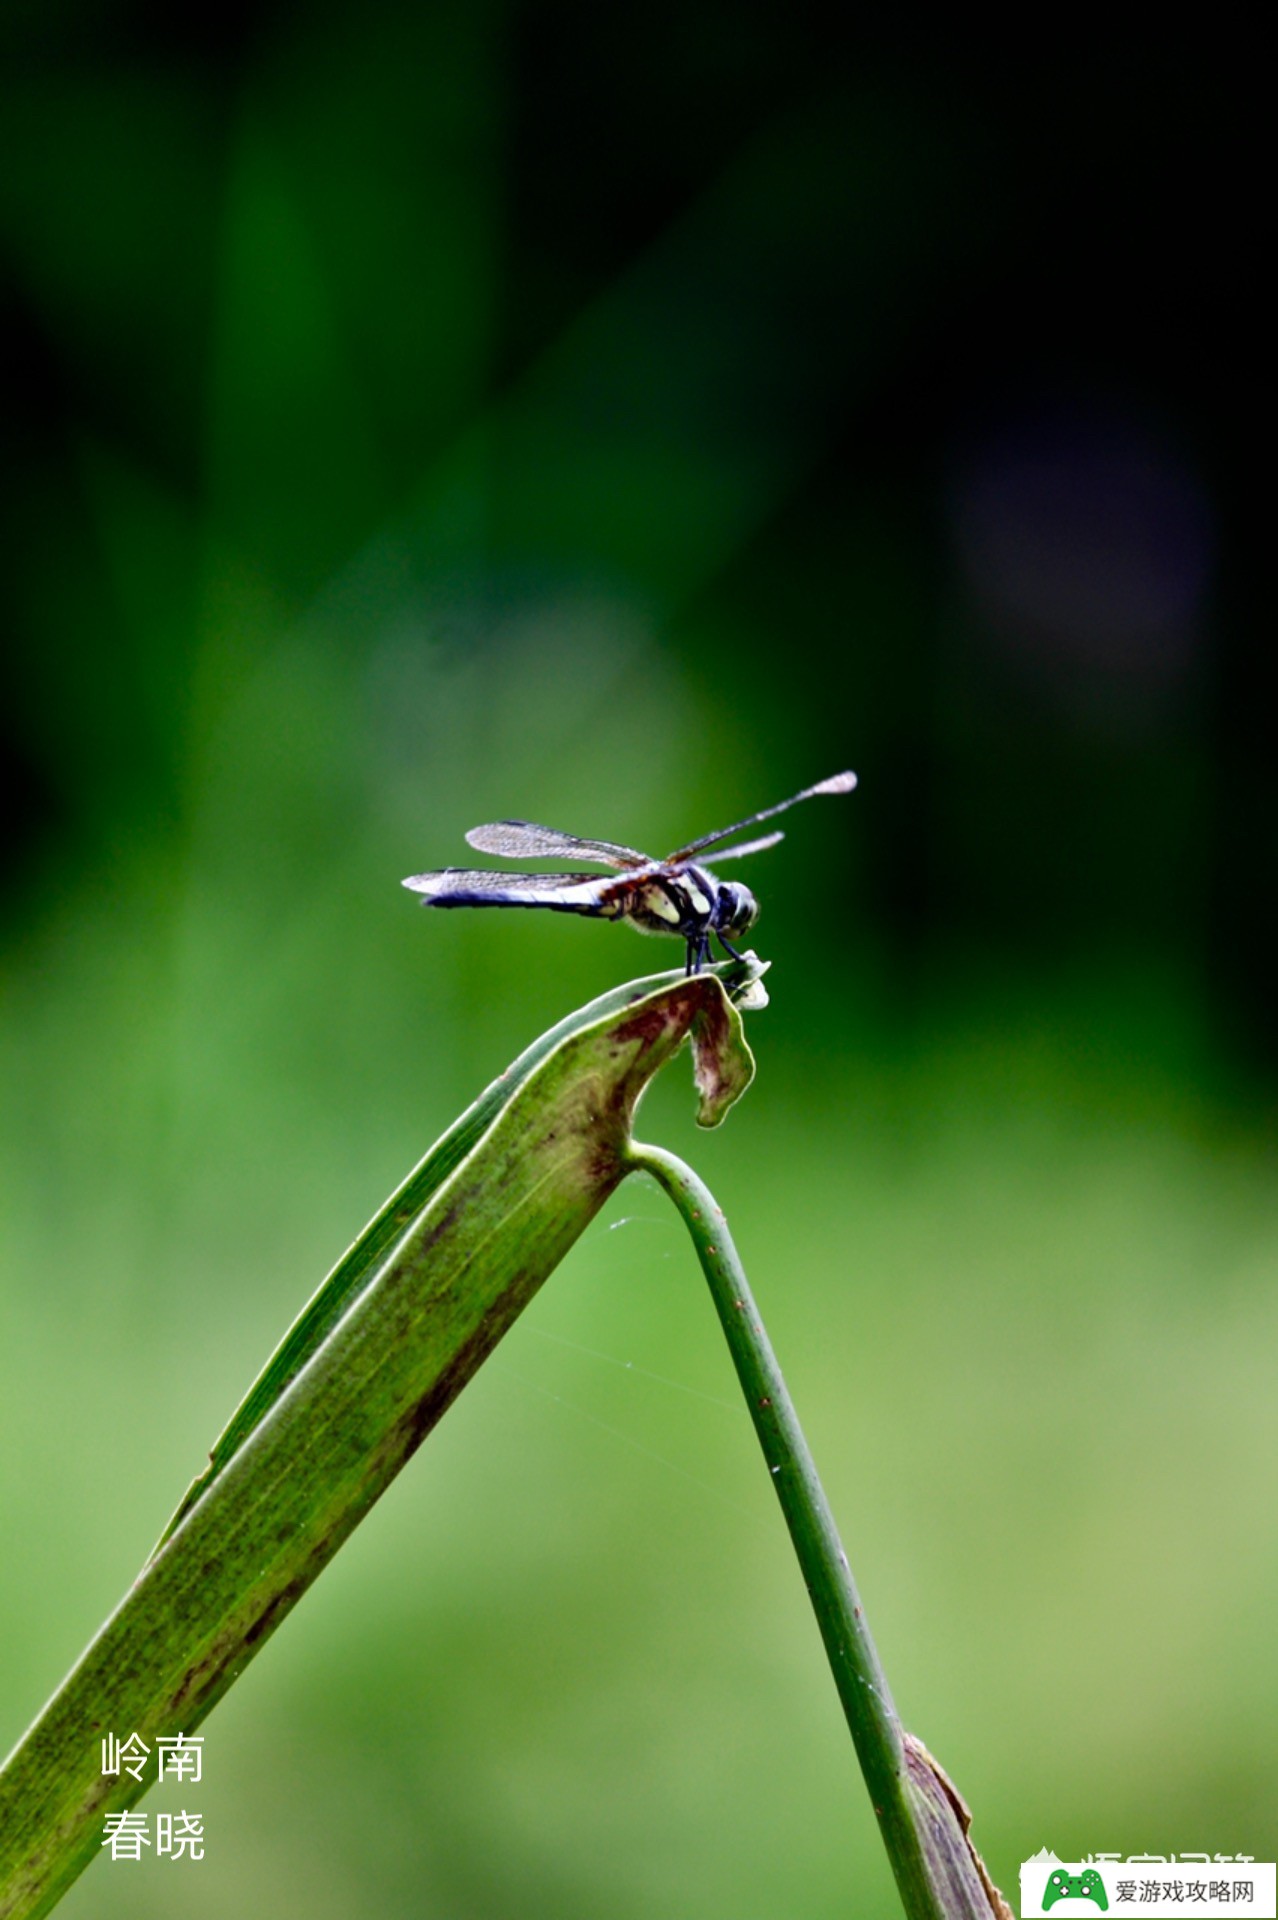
{"points": [[622, 423]]}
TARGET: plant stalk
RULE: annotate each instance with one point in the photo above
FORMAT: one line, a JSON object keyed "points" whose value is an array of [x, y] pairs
{"points": [[920, 1815]]}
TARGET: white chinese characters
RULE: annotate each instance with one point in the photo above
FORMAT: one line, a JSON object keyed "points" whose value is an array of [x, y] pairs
{"points": [[177, 1836], [180, 1835]]}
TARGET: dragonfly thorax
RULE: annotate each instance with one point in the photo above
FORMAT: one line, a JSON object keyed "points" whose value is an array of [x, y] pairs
{"points": [[690, 902]]}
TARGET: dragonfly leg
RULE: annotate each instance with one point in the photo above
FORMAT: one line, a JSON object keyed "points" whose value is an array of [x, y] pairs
{"points": [[728, 946], [697, 951]]}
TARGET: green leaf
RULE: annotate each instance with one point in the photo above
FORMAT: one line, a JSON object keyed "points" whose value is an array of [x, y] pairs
{"points": [[722, 1071], [396, 1331]]}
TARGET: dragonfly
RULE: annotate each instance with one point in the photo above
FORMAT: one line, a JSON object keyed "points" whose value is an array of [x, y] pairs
{"points": [[678, 895]]}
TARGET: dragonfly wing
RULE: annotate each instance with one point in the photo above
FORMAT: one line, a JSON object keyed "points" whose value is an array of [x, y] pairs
{"points": [[589, 893], [837, 783], [525, 840], [748, 846]]}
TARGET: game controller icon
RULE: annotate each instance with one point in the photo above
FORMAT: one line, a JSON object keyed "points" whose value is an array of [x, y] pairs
{"points": [[1075, 1886]]}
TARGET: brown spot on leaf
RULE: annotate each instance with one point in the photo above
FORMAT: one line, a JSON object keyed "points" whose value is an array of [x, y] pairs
{"points": [[274, 1610]]}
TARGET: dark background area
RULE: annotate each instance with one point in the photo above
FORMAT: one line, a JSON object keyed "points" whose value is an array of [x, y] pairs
{"points": [[929, 294], [624, 420]]}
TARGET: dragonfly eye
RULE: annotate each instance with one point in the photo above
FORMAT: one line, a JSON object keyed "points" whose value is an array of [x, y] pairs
{"points": [[737, 909]]}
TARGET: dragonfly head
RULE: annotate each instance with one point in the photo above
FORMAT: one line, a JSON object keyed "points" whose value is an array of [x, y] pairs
{"points": [[736, 909]]}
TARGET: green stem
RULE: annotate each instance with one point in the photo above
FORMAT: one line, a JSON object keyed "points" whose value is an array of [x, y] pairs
{"points": [[891, 1761]]}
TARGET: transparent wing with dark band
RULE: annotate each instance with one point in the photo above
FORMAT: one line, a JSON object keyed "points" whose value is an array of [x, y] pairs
{"points": [[525, 840], [837, 783]]}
